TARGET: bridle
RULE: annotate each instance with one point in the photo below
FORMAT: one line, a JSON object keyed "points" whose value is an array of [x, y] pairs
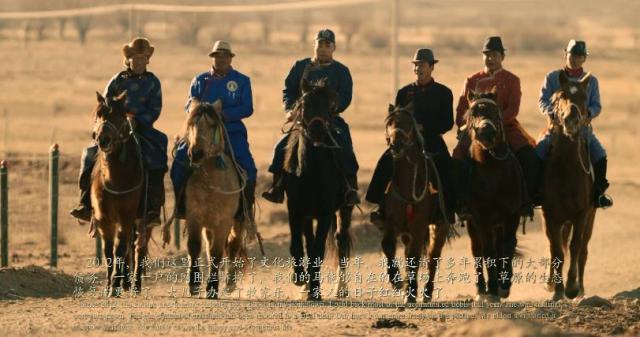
{"points": [[559, 121], [498, 126]]}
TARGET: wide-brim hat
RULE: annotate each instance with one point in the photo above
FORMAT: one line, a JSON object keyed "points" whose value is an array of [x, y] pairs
{"points": [[577, 47], [221, 46], [424, 55], [493, 43], [139, 45]]}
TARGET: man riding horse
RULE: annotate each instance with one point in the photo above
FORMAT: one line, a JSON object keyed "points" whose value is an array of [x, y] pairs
{"points": [[433, 111], [576, 55], [508, 98], [143, 105], [230, 92], [338, 78]]}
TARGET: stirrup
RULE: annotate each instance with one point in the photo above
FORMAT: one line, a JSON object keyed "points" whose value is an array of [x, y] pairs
{"points": [[82, 213]]}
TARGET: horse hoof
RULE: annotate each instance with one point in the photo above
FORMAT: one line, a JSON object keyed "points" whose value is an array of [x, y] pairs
{"points": [[557, 296], [397, 285], [409, 299], [426, 299], [503, 293], [342, 291], [550, 287], [230, 288], [571, 292], [312, 297], [492, 298], [194, 289], [115, 292]]}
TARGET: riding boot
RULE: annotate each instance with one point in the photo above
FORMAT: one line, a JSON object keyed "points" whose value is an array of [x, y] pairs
{"points": [[462, 172], [378, 216], [248, 196], [155, 197], [83, 210], [275, 193], [180, 205], [351, 197], [601, 184]]}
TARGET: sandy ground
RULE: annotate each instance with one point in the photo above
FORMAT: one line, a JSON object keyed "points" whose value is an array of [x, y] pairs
{"points": [[47, 97]]}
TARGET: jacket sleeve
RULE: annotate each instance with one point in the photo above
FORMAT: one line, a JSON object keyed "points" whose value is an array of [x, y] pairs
{"points": [[345, 90], [510, 112], [445, 119], [546, 91], [291, 90], [244, 109], [195, 92], [149, 111], [463, 104], [594, 98]]}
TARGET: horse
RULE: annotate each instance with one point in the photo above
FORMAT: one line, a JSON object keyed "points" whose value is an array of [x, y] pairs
{"points": [[496, 187], [411, 200], [315, 189], [116, 188], [212, 198], [567, 206]]}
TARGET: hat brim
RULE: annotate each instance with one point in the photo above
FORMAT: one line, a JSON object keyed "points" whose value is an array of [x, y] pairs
{"points": [[569, 52], [423, 61], [498, 50], [211, 54]]}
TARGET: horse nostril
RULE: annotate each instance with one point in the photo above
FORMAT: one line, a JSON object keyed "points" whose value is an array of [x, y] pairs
{"points": [[197, 155]]}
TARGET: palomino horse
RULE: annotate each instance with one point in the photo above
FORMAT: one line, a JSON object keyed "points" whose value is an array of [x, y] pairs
{"points": [[315, 189], [212, 198], [567, 188], [496, 194], [116, 184], [411, 200]]}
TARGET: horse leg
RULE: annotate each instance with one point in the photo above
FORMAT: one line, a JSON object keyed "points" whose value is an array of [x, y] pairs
{"points": [[556, 247], [477, 251], [141, 249], [508, 244], [194, 245], [575, 248], [107, 248], [216, 248], [343, 238], [438, 234], [413, 252], [582, 258], [389, 249], [316, 256], [296, 248], [491, 254], [235, 251], [122, 247]]}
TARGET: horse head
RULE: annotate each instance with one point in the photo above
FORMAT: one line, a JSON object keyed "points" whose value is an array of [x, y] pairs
{"points": [[484, 119], [401, 129], [570, 105], [112, 124], [316, 108], [204, 132]]}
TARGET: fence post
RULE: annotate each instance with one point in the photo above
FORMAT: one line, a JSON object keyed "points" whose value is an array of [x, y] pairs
{"points": [[4, 213], [54, 156]]}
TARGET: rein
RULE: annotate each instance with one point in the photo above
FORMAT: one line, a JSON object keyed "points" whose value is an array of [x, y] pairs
{"points": [[500, 127], [586, 167], [123, 140]]}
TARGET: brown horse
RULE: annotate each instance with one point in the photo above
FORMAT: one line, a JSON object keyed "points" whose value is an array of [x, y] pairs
{"points": [[411, 199], [116, 183], [212, 198], [567, 188], [496, 192]]}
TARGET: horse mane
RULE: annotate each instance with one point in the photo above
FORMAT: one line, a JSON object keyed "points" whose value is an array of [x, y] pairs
{"points": [[197, 108]]}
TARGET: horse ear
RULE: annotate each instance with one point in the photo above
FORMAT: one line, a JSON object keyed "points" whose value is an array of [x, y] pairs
{"points": [[584, 82], [100, 98], [471, 96], [391, 108], [563, 79]]}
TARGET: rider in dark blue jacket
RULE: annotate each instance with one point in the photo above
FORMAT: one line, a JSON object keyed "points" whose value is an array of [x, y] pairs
{"points": [[338, 77]]}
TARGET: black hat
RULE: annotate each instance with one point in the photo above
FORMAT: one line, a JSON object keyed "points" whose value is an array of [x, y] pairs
{"points": [[326, 34], [577, 47], [424, 55], [493, 43]]}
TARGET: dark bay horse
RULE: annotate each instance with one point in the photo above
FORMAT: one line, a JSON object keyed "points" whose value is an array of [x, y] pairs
{"points": [[411, 201], [567, 188], [496, 194], [315, 188], [116, 187], [212, 198]]}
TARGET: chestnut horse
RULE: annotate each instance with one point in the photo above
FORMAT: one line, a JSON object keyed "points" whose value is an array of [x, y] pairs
{"points": [[116, 187], [567, 204], [411, 200], [496, 194]]}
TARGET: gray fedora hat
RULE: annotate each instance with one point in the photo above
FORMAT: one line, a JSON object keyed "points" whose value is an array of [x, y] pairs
{"points": [[577, 47], [424, 55]]}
